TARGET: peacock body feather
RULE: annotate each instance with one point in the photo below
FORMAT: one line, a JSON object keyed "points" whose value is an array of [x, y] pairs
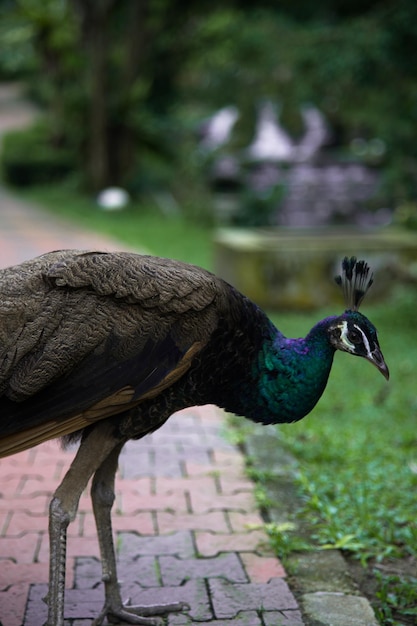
{"points": [[292, 374], [89, 336], [105, 347]]}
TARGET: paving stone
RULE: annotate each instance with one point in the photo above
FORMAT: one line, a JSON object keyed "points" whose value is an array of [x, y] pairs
{"points": [[79, 546], [199, 440], [20, 521], [177, 544], [87, 604], [9, 484], [261, 569], [174, 466], [338, 609], [155, 502], [312, 572], [85, 505], [245, 618], [78, 604], [210, 544], [139, 522], [12, 605], [228, 599], [20, 549], [87, 574], [4, 521], [142, 571], [242, 522], [215, 521], [135, 467], [175, 571], [36, 505], [194, 470], [282, 618], [35, 485], [228, 459], [135, 487], [233, 481], [167, 485], [193, 593], [189, 438], [12, 573], [201, 502]]}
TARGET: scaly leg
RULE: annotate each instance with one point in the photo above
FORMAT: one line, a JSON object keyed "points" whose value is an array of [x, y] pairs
{"points": [[102, 495], [63, 508]]}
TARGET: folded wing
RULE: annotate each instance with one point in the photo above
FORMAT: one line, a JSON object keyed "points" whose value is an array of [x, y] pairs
{"points": [[88, 335]]}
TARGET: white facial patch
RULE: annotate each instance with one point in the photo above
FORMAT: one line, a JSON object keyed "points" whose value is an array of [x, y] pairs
{"points": [[349, 344], [344, 337]]}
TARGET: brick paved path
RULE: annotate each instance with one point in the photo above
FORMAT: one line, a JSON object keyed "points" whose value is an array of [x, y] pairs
{"points": [[185, 516]]}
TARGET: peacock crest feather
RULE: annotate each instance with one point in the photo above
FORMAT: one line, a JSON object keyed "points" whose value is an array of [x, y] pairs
{"points": [[355, 281]]}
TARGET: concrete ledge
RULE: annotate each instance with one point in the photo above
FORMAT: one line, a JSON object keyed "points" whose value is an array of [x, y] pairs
{"points": [[337, 609], [320, 571], [282, 268]]}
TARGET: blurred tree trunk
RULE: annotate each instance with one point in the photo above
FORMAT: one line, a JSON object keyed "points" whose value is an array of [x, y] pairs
{"points": [[94, 17], [109, 77], [111, 136], [124, 138]]}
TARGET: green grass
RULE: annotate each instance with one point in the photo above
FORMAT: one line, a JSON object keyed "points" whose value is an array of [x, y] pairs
{"points": [[142, 226], [357, 451], [357, 457], [396, 597]]}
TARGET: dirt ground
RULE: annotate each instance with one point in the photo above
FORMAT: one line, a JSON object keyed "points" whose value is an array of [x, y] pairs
{"points": [[367, 581]]}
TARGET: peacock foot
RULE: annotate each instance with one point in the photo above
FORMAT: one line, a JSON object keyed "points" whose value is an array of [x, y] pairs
{"points": [[127, 614]]}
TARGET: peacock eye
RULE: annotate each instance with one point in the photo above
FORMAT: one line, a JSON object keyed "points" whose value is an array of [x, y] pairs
{"points": [[355, 336]]}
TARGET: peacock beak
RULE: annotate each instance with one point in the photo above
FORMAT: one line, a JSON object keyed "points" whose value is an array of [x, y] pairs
{"points": [[375, 357]]}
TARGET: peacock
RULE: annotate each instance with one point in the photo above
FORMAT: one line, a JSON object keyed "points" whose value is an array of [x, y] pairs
{"points": [[103, 347]]}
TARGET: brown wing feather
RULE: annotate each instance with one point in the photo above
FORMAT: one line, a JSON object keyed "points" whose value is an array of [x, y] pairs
{"points": [[83, 317], [119, 402], [59, 308], [22, 440]]}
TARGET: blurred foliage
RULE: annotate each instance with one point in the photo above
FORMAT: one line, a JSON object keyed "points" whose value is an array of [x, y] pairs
{"points": [[126, 84], [257, 208], [406, 215], [355, 63], [105, 72], [30, 157]]}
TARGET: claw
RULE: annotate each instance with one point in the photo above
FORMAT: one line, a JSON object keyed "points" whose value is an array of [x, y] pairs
{"points": [[144, 615], [129, 616]]}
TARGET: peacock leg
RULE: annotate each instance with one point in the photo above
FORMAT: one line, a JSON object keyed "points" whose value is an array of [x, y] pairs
{"points": [[59, 519], [63, 509], [102, 495]]}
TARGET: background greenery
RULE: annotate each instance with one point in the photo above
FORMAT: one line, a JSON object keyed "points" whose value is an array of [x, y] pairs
{"points": [[125, 84]]}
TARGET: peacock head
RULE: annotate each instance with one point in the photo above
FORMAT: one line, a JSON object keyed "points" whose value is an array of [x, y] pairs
{"points": [[352, 332]]}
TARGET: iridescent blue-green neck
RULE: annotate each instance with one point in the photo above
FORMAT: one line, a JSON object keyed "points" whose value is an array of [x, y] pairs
{"points": [[290, 375]]}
